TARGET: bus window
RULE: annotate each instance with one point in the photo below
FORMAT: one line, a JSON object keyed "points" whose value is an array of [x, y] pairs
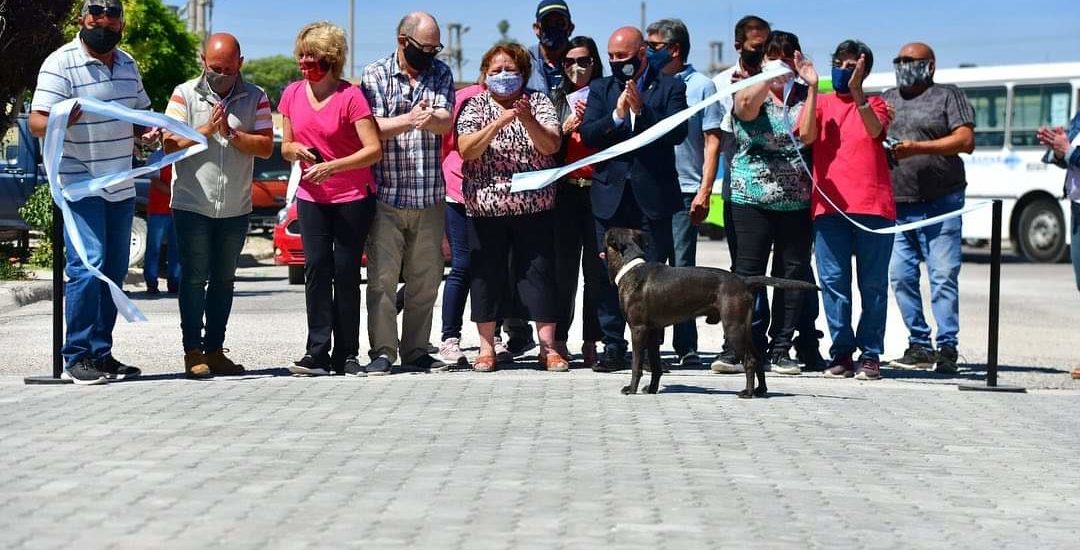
{"points": [[1038, 106], [989, 105]]}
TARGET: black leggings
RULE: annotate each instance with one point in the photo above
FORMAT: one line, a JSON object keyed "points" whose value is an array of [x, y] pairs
{"points": [[758, 230], [334, 236], [527, 289]]}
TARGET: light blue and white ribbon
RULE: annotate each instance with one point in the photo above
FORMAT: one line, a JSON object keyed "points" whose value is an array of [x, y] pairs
{"points": [[531, 181], [65, 191]]}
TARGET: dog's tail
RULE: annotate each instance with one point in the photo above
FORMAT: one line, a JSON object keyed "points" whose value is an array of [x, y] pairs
{"points": [[786, 284]]}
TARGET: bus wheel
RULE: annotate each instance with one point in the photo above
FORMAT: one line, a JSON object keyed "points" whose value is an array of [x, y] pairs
{"points": [[1041, 232], [138, 241]]}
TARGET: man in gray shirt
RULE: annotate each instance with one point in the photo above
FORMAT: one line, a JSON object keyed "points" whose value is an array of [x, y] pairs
{"points": [[211, 196], [934, 123]]}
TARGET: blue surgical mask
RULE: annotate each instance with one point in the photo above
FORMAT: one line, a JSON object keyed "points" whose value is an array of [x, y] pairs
{"points": [[505, 84], [841, 76], [658, 59]]}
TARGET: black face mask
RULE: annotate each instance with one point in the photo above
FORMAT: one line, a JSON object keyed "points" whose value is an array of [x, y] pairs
{"points": [[751, 59], [625, 70], [417, 58], [100, 40], [554, 37]]}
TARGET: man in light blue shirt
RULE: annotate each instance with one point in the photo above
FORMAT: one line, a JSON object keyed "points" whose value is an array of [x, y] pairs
{"points": [[696, 158]]}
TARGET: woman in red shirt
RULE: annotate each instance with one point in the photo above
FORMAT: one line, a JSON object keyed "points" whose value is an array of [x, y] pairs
{"points": [[575, 230], [846, 130]]}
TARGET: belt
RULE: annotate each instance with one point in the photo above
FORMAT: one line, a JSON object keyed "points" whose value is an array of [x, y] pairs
{"points": [[579, 182]]}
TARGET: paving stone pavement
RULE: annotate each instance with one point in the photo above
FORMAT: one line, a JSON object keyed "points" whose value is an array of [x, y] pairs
{"points": [[526, 459]]}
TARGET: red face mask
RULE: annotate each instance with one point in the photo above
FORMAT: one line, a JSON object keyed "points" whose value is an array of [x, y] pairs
{"points": [[314, 71]]}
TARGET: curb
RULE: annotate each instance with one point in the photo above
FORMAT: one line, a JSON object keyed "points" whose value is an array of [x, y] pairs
{"points": [[24, 293]]}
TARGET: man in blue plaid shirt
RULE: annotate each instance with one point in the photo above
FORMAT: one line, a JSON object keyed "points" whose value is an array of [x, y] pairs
{"points": [[412, 96]]}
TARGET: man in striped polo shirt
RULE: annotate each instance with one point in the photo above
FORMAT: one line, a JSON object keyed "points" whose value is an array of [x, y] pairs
{"points": [[92, 66], [211, 196]]}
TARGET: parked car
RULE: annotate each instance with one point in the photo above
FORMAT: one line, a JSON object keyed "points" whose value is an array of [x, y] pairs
{"points": [[270, 182], [289, 247]]}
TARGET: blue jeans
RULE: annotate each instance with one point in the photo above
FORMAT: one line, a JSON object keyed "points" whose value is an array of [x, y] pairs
{"points": [[157, 227], [836, 241], [209, 251], [685, 235], [456, 288], [939, 246], [90, 313], [1075, 246], [658, 248]]}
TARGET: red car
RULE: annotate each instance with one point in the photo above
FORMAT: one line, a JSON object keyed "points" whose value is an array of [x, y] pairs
{"points": [[289, 248]]}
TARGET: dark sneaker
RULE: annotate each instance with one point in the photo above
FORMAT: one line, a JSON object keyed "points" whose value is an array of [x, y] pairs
{"points": [[380, 366], [727, 363], [782, 364], [915, 357], [84, 373], [589, 357], [429, 363], [352, 367], [115, 370], [946, 360], [308, 366], [690, 359], [152, 290], [220, 365], [840, 367], [808, 353], [520, 343], [612, 360], [869, 369]]}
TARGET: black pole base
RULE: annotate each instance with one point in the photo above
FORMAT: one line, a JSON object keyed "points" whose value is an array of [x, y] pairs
{"points": [[45, 381], [983, 387]]}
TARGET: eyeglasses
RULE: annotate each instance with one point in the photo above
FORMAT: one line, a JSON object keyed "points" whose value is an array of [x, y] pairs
{"points": [[584, 62], [97, 10], [905, 59], [658, 45], [425, 48]]}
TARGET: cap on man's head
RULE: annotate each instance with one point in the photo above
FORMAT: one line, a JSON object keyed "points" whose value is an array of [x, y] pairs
{"points": [[114, 6], [551, 6]]}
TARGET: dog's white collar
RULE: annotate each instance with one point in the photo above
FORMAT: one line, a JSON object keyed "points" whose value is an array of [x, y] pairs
{"points": [[626, 269]]}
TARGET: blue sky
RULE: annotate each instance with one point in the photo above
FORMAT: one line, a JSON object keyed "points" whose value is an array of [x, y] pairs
{"points": [[991, 32]]}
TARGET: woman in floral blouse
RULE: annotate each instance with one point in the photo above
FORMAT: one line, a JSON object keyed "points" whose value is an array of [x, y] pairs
{"points": [[501, 131], [770, 196]]}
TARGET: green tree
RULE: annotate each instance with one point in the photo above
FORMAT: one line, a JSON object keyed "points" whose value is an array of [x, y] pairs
{"points": [[272, 74], [167, 54], [29, 32], [504, 28]]}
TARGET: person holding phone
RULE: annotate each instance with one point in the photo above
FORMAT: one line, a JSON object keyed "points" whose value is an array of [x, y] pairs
{"points": [[328, 126]]}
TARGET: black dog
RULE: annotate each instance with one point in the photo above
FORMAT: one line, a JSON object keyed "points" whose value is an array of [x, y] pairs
{"points": [[653, 296]]}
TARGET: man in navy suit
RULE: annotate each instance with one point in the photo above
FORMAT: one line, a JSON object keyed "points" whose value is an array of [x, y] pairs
{"points": [[639, 189]]}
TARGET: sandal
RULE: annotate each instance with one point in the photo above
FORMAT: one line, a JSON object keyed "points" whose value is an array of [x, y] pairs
{"points": [[485, 363], [1076, 372], [554, 362]]}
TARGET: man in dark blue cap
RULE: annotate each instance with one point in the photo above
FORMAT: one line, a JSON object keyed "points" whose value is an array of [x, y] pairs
{"points": [[553, 28]]}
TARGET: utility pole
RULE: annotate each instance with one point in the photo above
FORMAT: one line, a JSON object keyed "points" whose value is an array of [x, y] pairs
{"points": [[454, 52], [716, 57], [352, 40], [642, 16]]}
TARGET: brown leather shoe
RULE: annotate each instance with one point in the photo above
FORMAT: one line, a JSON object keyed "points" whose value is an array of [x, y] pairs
{"points": [[1076, 372], [221, 365], [195, 364]]}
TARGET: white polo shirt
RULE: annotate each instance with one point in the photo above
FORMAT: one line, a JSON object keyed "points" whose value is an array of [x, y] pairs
{"points": [[96, 145]]}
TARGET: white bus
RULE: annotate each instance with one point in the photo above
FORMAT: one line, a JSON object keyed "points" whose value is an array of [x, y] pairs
{"points": [[1011, 102]]}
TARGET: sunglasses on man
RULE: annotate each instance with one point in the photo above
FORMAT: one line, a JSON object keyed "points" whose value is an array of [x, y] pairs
{"points": [[115, 12], [905, 59], [583, 62]]}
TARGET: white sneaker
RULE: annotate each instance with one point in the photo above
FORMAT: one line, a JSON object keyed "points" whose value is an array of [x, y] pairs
{"points": [[502, 354], [450, 352]]}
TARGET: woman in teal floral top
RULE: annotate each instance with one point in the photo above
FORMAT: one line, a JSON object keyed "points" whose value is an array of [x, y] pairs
{"points": [[770, 196]]}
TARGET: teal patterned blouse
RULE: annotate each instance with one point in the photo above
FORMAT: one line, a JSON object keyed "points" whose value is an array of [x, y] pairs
{"points": [[765, 169]]}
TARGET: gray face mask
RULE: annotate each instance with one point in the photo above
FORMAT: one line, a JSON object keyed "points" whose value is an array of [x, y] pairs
{"points": [[913, 73], [222, 84]]}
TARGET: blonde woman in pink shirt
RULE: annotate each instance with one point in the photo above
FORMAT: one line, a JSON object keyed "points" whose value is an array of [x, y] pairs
{"points": [[328, 127]]}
